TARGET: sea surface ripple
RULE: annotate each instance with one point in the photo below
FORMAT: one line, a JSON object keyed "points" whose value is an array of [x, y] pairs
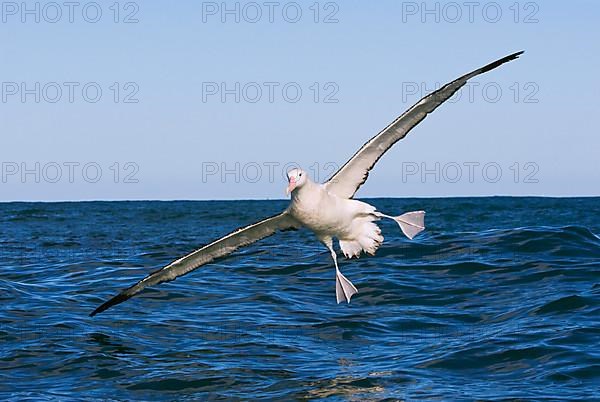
{"points": [[498, 298]]}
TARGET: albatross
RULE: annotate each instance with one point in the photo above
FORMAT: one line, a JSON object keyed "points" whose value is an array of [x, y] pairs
{"points": [[328, 209]]}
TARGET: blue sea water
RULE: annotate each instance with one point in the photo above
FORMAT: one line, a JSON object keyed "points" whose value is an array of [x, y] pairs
{"points": [[498, 298]]}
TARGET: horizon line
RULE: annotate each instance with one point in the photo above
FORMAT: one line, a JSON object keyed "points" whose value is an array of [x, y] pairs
{"points": [[287, 199]]}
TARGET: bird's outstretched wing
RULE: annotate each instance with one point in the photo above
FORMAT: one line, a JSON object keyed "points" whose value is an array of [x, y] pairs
{"points": [[217, 249], [346, 181]]}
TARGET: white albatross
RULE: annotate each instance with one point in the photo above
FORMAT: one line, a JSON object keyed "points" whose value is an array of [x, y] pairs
{"points": [[326, 209]]}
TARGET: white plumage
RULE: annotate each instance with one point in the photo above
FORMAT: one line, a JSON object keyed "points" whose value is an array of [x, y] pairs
{"points": [[350, 221]]}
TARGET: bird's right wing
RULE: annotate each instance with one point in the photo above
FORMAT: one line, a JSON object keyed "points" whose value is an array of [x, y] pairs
{"points": [[217, 249], [346, 181]]}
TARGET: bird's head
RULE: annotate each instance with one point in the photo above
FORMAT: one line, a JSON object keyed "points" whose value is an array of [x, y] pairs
{"points": [[296, 179]]}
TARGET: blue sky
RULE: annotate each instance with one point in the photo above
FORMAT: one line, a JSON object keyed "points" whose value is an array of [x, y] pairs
{"points": [[188, 103]]}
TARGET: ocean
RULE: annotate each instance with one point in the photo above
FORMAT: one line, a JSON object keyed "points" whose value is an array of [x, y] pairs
{"points": [[499, 298]]}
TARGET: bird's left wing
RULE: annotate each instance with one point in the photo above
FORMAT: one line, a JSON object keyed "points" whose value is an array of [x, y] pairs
{"points": [[346, 181], [217, 249]]}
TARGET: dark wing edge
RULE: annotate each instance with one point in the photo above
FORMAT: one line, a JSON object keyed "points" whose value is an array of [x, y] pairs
{"points": [[374, 149], [212, 251]]}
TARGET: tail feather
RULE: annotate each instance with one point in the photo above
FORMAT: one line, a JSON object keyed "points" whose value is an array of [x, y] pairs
{"points": [[411, 223], [368, 239]]}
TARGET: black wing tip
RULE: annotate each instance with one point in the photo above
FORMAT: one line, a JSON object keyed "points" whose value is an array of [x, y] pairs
{"points": [[501, 61], [120, 298]]}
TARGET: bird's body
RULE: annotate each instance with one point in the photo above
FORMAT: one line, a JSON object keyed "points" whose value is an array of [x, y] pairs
{"points": [[350, 221], [330, 216], [328, 209], [324, 213]]}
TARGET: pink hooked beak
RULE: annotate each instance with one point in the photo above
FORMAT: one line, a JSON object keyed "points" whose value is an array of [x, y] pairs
{"points": [[291, 186]]}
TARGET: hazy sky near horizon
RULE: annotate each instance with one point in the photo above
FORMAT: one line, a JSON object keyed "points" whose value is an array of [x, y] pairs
{"points": [[215, 100]]}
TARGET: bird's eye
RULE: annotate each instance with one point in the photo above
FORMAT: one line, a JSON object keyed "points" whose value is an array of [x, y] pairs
{"points": [[300, 175]]}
